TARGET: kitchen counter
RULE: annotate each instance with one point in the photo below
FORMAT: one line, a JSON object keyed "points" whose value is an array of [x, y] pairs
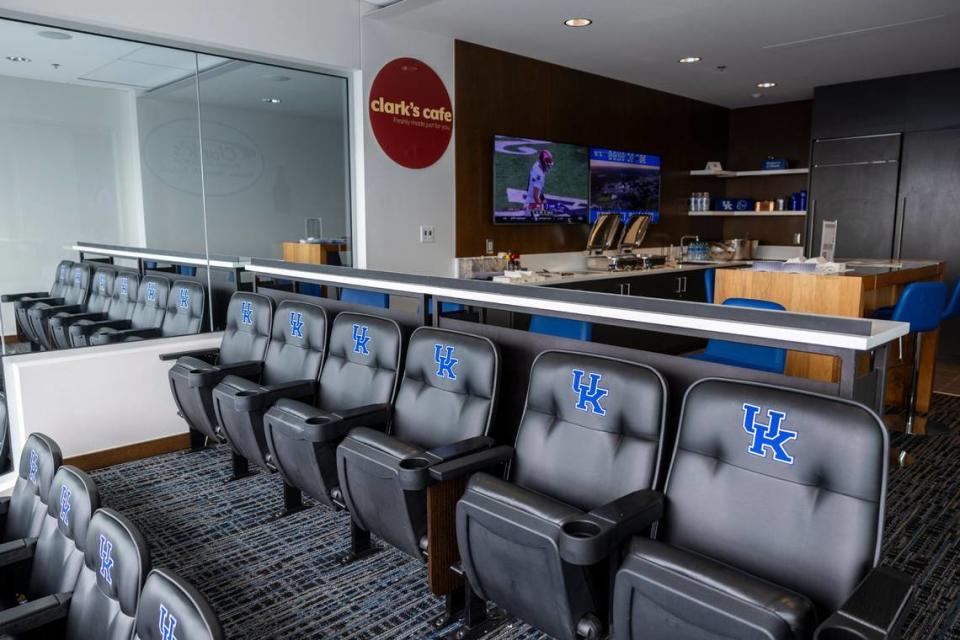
{"points": [[553, 278]]}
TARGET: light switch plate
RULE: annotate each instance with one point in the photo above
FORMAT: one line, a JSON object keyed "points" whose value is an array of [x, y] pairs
{"points": [[426, 233], [489, 246]]}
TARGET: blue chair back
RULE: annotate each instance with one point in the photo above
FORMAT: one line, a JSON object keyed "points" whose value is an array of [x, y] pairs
{"points": [[561, 328], [709, 278], [369, 298], [952, 309], [748, 356], [921, 304]]}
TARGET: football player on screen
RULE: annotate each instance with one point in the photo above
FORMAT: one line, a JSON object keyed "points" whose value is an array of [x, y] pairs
{"points": [[536, 200]]}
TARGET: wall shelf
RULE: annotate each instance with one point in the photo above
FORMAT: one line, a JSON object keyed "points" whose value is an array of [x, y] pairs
{"points": [[746, 174], [746, 214]]}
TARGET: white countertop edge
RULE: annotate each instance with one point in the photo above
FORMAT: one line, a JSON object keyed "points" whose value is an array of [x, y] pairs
{"points": [[884, 331]]}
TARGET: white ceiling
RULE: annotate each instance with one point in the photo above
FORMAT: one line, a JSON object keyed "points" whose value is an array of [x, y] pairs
{"points": [[799, 44]]}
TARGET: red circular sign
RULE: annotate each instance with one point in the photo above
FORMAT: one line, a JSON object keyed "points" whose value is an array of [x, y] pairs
{"points": [[410, 113]]}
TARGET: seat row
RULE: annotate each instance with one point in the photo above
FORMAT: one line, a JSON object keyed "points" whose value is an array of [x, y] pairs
{"points": [[73, 569], [762, 517], [104, 305]]}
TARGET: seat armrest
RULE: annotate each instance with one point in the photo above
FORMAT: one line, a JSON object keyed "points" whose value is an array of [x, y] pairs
{"points": [[875, 610], [246, 401], [46, 312], [415, 471], [209, 355], [17, 297], [89, 329], [89, 315], [458, 449], [471, 463], [123, 334], [322, 426], [35, 614], [590, 539], [17, 551]]}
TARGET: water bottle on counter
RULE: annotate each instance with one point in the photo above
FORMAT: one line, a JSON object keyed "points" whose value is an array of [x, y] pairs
{"points": [[802, 200], [694, 201], [705, 201]]}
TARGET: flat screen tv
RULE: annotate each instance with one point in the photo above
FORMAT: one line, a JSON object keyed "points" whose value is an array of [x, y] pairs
{"points": [[538, 182], [624, 183]]}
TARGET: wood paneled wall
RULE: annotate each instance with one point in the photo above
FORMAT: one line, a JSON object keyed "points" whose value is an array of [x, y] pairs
{"points": [[502, 93]]}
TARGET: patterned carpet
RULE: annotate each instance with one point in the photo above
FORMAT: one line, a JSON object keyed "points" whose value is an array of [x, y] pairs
{"points": [[280, 578]]}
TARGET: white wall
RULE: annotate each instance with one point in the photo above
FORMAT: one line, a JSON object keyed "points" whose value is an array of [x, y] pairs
{"points": [[320, 32], [69, 170], [399, 200]]}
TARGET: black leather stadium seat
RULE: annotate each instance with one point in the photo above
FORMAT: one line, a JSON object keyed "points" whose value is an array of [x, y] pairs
{"points": [[586, 456], [103, 603], [101, 295], [289, 370], [120, 306], [359, 377], [195, 374], [444, 408], [75, 295], [773, 516], [183, 316], [148, 313], [170, 608], [22, 513], [23, 301], [51, 563]]}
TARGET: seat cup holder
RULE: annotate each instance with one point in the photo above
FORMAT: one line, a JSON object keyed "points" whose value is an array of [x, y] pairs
{"points": [[413, 464], [317, 420], [581, 529], [245, 394]]}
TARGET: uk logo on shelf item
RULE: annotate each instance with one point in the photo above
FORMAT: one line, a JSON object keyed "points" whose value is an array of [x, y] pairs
{"points": [[65, 494], [184, 301], [34, 465], [151, 291], [168, 624], [361, 340], [124, 285], [443, 356], [768, 438], [296, 324], [106, 559], [246, 312], [589, 393]]}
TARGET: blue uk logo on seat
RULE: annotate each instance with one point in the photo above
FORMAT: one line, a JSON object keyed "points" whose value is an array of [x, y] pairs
{"points": [[590, 393], [63, 272], [768, 438], [168, 624], [296, 324], [34, 465], [124, 285], [246, 312], [77, 276], [106, 559], [443, 356], [361, 340], [102, 283], [65, 494], [184, 301], [151, 291]]}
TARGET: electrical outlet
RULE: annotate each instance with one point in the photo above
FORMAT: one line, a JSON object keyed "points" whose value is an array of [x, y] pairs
{"points": [[489, 246], [426, 233]]}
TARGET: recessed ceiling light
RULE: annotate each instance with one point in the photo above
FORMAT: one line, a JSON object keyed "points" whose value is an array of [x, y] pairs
{"points": [[18, 59], [690, 59], [272, 100], [54, 35], [578, 22], [766, 85]]}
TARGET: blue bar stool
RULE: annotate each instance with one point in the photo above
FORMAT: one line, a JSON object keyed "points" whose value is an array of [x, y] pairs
{"points": [[952, 310], [561, 328], [748, 356], [369, 298], [921, 305], [709, 279]]}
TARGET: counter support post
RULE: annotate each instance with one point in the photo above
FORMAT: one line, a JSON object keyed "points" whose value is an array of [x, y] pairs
{"points": [[848, 373], [880, 367]]}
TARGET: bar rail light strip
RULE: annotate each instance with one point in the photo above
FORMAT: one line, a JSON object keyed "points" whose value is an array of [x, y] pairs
{"points": [[881, 331], [228, 263]]}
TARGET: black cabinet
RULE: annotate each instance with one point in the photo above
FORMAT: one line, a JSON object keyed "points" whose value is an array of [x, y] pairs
{"points": [[933, 100], [860, 108]]}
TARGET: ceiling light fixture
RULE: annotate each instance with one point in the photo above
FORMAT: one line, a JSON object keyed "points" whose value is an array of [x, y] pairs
{"points": [[690, 60], [272, 100], [766, 85], [578, 22], [54, 35], [18, 59]]}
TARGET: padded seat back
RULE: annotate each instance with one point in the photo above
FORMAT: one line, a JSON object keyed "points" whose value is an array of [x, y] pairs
{"points": [[363, 362], [116, 561], [77, 289], [448, 388], [591, 430], [151, 304], [185, 305], [249, 320], [786, 485], [60, 546], [61, 279], [39, 461], [123, 302], [297, 343], [171, 608], [101, 292]]}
